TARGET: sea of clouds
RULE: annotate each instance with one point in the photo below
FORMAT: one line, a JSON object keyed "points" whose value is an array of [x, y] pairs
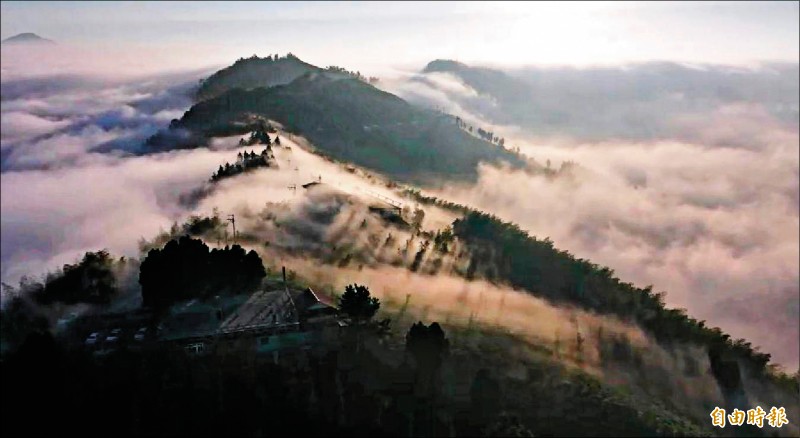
{"points": [[687, 179], [702, 204], [73, 175]]}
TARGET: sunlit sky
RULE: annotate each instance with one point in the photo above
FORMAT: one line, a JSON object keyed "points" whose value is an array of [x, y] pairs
{"points": [[377, 35]]}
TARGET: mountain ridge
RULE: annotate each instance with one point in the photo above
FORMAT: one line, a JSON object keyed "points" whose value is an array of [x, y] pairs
{"points": [[346, 118], [27, 38], [254, 72], [593, 103]]}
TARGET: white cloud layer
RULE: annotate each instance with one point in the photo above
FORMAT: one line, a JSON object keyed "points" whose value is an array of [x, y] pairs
{"points": [[709, 213]]}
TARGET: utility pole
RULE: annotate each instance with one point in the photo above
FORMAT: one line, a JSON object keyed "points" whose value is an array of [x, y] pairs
{"points": [[232, 220]]}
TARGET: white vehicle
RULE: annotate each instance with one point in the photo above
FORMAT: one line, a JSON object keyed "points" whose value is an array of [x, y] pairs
{"points": [[93, 338], [140, 334], [114, 335]]}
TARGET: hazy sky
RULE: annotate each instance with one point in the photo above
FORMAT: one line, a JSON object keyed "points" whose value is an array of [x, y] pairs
{"points": [[374, 36]]}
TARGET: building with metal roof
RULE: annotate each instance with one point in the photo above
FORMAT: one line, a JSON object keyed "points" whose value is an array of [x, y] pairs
{"points": [[272, 320]]}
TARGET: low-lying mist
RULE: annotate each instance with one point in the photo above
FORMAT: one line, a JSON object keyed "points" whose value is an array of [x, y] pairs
{"points": [[74, 120], [619, 353], [705, 207]]}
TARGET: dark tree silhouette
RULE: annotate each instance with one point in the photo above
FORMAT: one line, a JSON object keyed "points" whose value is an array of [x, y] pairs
{"points": [[245, 162], [419, 256], [90, 281], [427, 345], [185, 269], [357, 304], [416, 220]]}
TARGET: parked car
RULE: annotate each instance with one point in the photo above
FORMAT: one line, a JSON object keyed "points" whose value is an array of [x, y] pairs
{"points": [[93, 339], [141, 334], [114, 335]]}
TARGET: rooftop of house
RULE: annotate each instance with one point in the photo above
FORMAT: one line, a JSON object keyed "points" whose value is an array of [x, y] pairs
{"points": [[307, 301], [198, 318], [262, 310]]}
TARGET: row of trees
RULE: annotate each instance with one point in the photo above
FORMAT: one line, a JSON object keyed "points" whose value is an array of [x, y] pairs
{"points": [[510, 254], [432, 200], [185, 268], [503, 252], [260, 136], [355, 74], [267, 59], [486, 135], [245, 162]]}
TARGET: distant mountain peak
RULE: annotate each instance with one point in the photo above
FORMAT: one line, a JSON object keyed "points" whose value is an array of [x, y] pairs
{"points": [[27, 38], [444, 65], [253, 72]]}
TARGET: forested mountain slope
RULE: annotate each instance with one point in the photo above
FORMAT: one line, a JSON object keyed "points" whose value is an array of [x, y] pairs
{"points": [[350, 120]]}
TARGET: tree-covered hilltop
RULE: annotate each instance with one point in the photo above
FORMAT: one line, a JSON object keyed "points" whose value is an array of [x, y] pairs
{"points": [[353, 74], [254, 72], [506, 89], [245, 162], [350, 120]]}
